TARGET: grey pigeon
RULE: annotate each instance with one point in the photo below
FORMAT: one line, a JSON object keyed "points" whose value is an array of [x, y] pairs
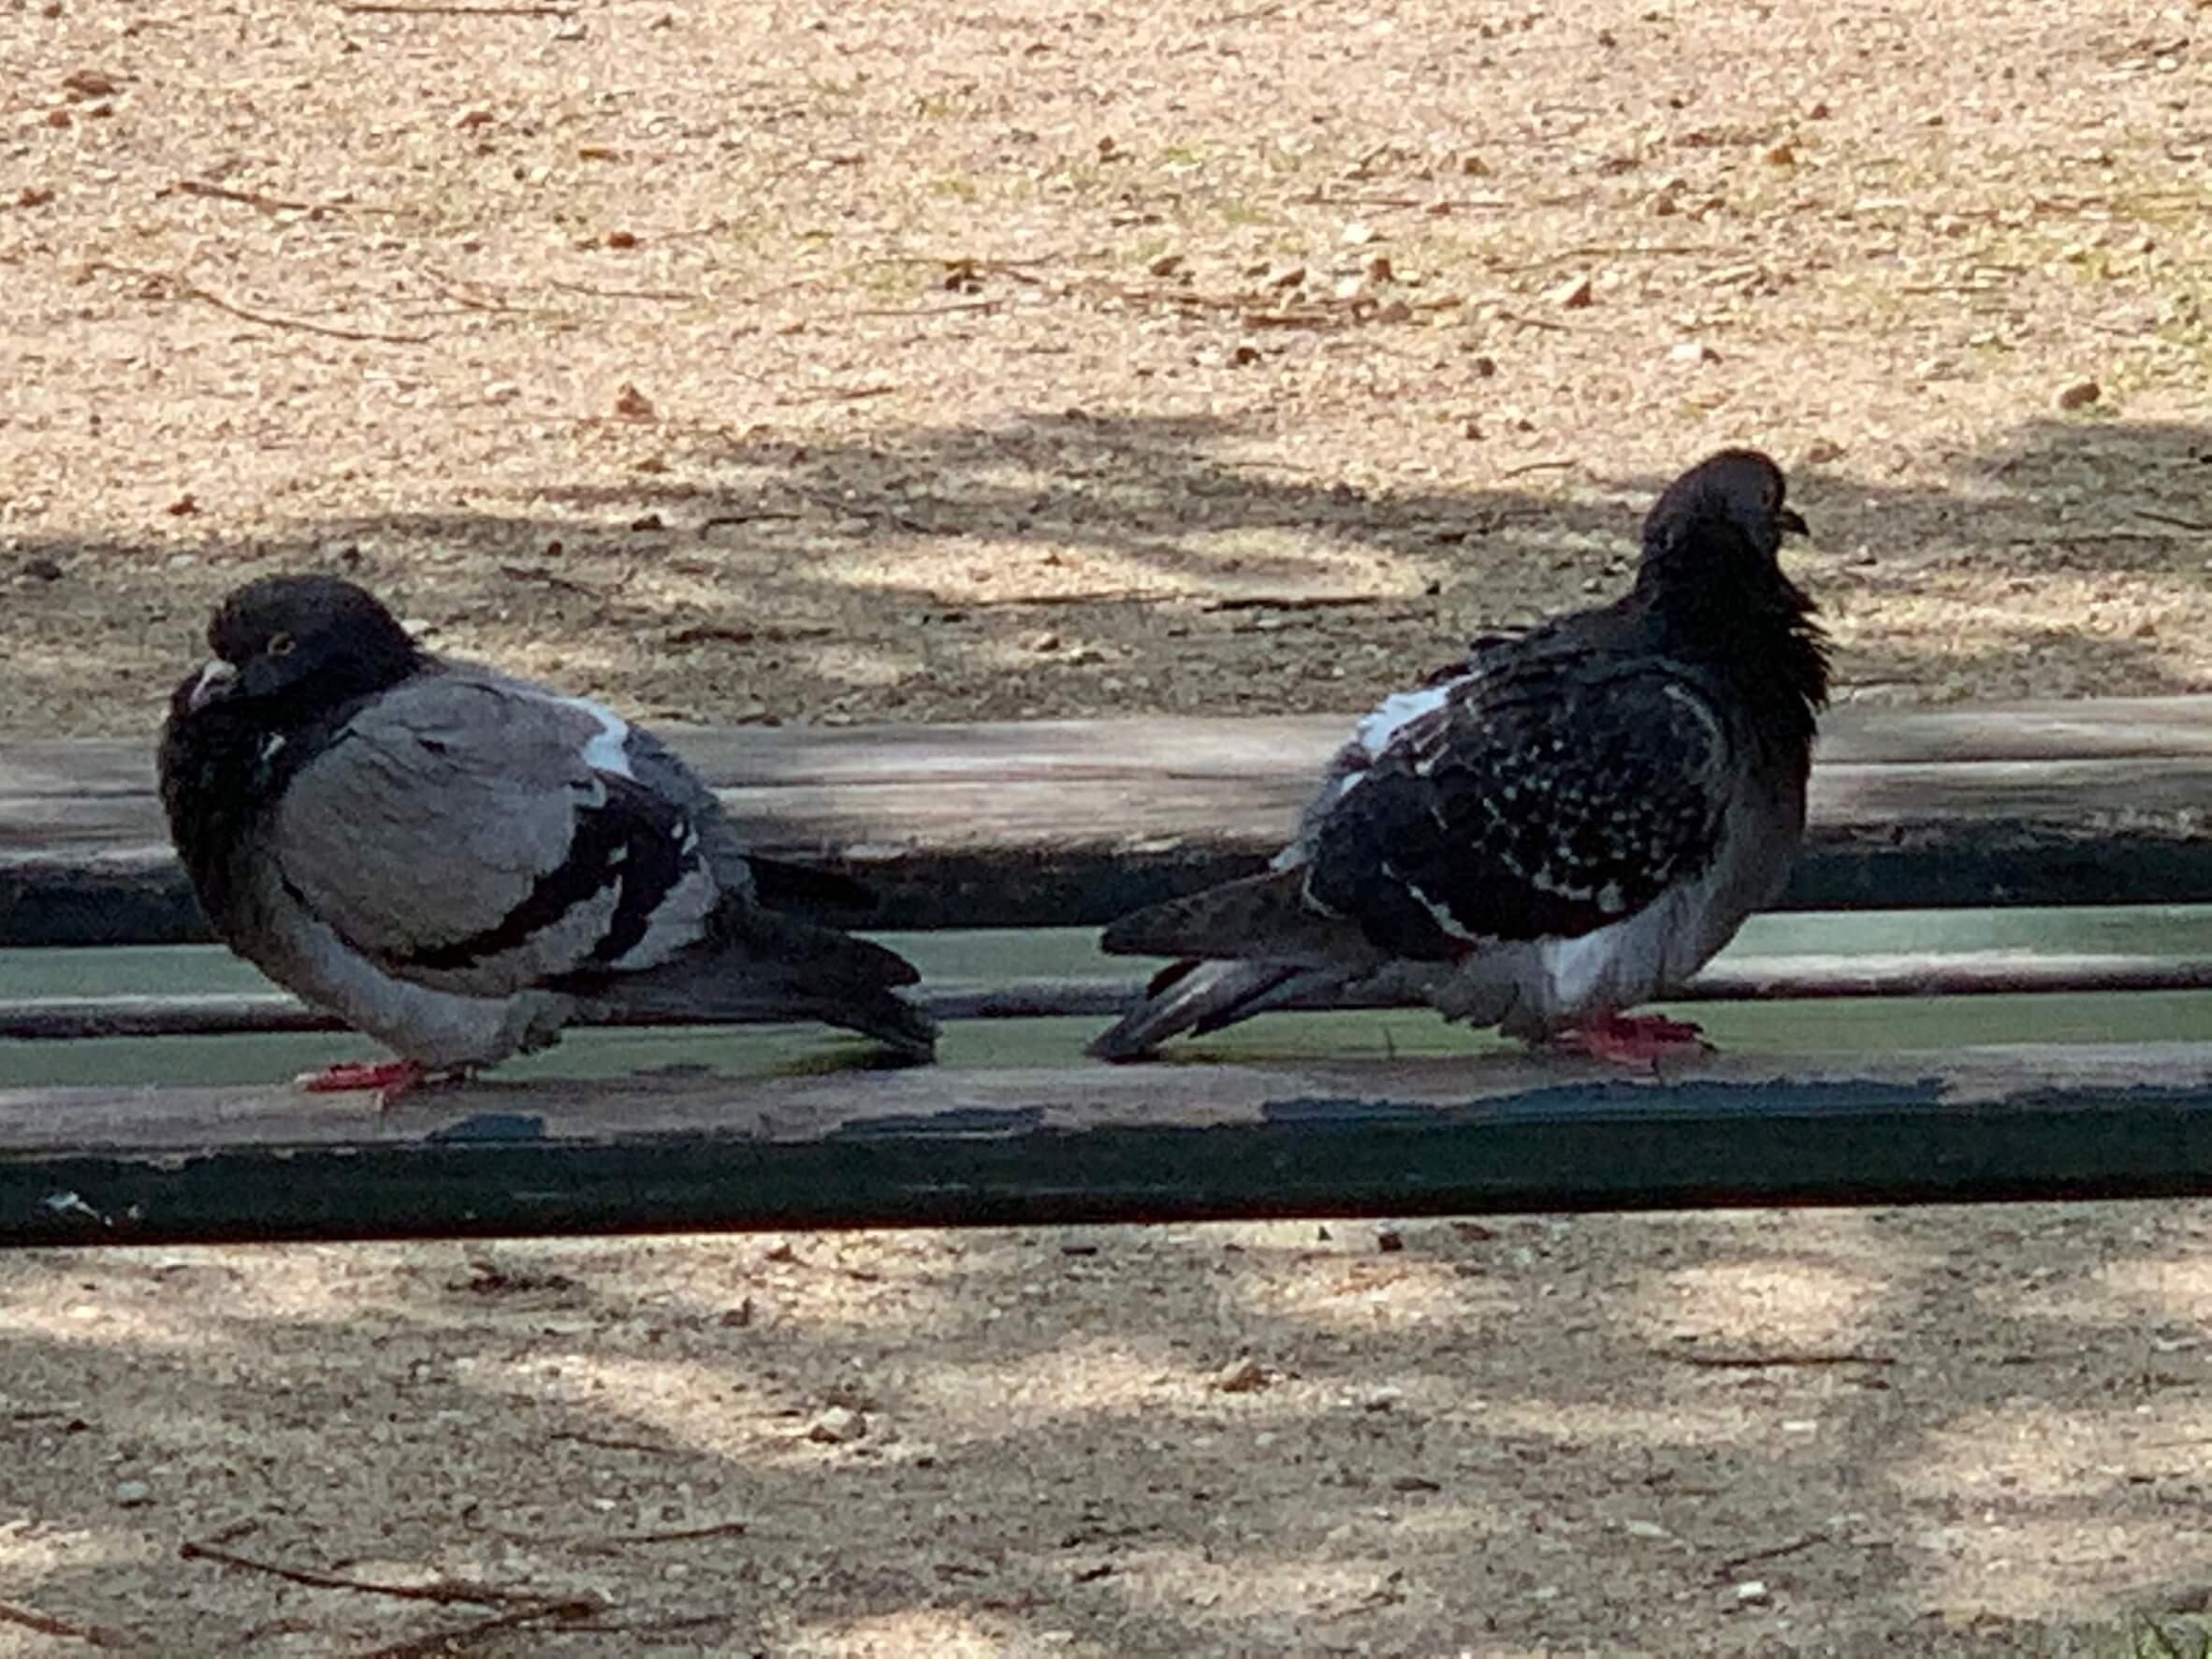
{"points": [[1566, 823], [458, 863]]}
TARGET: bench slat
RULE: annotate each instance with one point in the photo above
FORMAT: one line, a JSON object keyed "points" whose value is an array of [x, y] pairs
{"points": [[1060, 823], [935, 1148]]}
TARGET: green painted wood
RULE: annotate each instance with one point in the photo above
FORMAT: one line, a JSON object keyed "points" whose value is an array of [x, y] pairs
{"points": [[1061, 822], [936, 1147]]}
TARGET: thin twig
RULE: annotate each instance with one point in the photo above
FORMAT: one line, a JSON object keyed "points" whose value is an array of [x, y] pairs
{"points": [[837, 394], [191, 290], [456, 1637], [445, 1593], [1305, 601], [1537, 466], [625, 293], [253, 199], [751, 517], [862, 510], [607, 1442], [924, 310], [1529, 322], [392, 7], [1735, 1564], [2174, 519], [47, 1624], [721, 1529], [1295, 319], [1606, 251], [1777, 1361]]}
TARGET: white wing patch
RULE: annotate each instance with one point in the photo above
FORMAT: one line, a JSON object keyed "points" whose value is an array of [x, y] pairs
{"points": [[1398, 710], [606, 751]]}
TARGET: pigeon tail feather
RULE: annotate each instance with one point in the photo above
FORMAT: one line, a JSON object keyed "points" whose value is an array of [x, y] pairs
{"points": [[766, 963], [1201, 996], [1261, 916]]}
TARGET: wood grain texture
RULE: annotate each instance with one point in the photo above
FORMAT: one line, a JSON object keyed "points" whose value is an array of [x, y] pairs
{"points": [[1493, 1133], [1074, 821]]}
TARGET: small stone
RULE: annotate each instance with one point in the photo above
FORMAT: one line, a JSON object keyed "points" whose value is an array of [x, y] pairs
{"points": [[1245, 353], [2079, 395], [472, 118], [1240, 1376], [91, 83], [632, 404], [1381, 1399], [840, 1425], [1474, 165], [648, 522], [32, 195], [1484, 366], [133, 1494], [1358, 233], [1821, 451], [43, 570], [1752, 1589], [1378, 267], [1691, 351], [1573, 294], [1780, 155], [1166, 265], [182, 507], [1042, 643], [621, 239], [1284, 276], [1351, 288], [571, 28], [1645, 1529], [1389, 1240], [1394, 311]]}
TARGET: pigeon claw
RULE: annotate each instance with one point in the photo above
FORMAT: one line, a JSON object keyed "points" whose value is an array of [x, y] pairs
{"points": [[1638, 1039], [390, 1079]]}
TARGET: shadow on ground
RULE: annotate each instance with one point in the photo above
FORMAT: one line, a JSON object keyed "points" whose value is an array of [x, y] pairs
{"points": [[1077, 562], [1944, 1431]]}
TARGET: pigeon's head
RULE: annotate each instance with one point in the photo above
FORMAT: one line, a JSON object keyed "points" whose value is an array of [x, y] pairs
{"points": [[298, 644], [1728, 503]]}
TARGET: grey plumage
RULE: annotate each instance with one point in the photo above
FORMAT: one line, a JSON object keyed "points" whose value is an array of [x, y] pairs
{"points": [[460, 863], [1565, 823]]}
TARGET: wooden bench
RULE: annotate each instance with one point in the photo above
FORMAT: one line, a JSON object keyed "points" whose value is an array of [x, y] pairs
{"points": [[1063, 823]]}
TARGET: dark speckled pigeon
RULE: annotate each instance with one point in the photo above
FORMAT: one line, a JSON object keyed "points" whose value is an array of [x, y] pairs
{"points": [[1567, 824], [458, 863]]}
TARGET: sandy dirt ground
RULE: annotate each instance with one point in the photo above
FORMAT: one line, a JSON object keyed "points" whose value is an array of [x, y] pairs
{"points": [[803, 362]]}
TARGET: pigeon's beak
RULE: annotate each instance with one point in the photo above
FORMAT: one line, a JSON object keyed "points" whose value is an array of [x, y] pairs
{"points": [[1792, 522], [214, 679]]}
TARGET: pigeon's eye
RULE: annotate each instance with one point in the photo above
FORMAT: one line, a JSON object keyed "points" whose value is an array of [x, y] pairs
{"points": [[280, 645]]}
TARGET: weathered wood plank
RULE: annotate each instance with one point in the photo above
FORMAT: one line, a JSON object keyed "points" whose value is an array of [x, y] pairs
{"points": [[1104, 1144], [1073, 821], [1746, 979]]}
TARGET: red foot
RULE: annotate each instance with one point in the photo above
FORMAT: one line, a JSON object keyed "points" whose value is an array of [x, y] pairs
{"points": [[1638, 1039], [390, 1079]]}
